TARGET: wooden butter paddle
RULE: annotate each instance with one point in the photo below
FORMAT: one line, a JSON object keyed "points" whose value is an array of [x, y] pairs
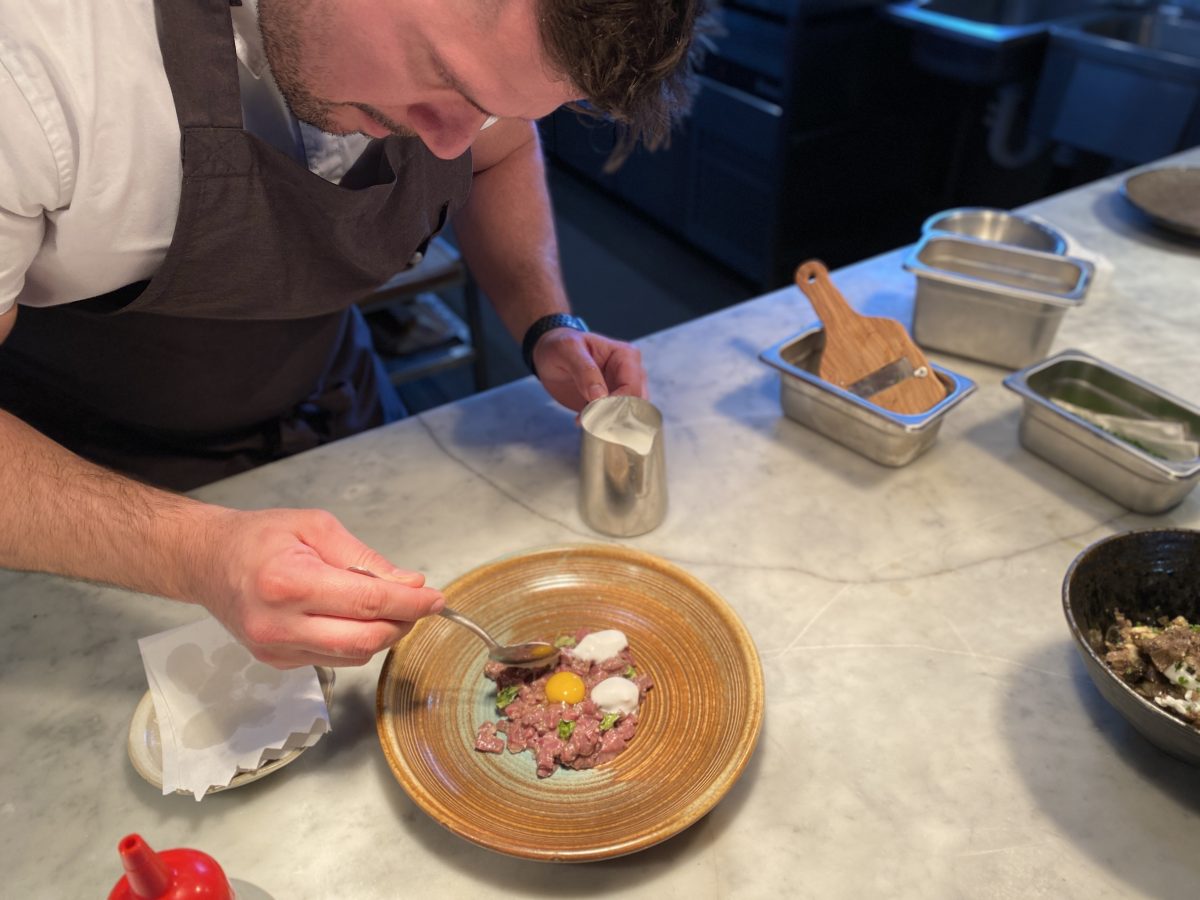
{"points": [[871, 357]]}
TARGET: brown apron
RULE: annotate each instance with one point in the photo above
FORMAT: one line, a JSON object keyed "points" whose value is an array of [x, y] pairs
{"points": [[245, 346]]}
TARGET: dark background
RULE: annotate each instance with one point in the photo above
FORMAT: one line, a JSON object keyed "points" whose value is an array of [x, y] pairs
{"points": [[832, 129]]}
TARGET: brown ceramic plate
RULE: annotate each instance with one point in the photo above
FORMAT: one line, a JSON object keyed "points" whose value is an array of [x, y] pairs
{"points": [[697, 727]]}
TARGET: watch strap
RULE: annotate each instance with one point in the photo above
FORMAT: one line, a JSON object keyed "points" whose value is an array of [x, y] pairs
{"points": [[534, 333]]}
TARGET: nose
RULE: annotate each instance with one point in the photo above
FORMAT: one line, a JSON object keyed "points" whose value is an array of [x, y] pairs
{"points": [[447, 132]]}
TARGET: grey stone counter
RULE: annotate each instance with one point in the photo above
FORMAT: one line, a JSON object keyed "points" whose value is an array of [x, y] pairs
{"points": [[929, 729]]}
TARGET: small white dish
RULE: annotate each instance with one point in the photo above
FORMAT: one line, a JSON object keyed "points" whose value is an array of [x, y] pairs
{"points": [[145, 743]]}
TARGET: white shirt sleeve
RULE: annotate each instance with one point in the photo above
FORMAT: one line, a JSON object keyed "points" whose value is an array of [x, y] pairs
{"points": [[30, 181]]}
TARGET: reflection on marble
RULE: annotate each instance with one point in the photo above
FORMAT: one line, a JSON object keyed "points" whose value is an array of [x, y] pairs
{"points": [[929, 730]]}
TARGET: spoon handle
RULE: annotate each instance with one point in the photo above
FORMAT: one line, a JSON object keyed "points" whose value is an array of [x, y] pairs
{"points": [[462, 620]]}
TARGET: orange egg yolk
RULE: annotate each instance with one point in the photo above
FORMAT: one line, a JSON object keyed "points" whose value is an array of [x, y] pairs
{"points": [[565, 687]]}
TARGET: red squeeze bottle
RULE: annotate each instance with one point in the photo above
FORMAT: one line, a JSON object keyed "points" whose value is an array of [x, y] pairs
{"points": [[170, 875]]}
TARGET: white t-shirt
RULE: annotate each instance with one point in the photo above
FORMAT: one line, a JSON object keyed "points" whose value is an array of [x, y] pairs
{"points": [[89, 144]]}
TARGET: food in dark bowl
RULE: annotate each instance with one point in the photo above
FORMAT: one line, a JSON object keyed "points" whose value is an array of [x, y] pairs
{"points": [[1131, 601], [1161, 661]]}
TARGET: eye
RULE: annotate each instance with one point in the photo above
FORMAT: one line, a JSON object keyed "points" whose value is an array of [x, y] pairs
{"points": [[565, 687]]}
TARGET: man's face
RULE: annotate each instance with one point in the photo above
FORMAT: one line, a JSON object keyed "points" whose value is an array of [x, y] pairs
{"points": [[434, 68]]}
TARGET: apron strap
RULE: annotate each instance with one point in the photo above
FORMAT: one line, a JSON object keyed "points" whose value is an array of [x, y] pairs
{"points": [[202, 64]]}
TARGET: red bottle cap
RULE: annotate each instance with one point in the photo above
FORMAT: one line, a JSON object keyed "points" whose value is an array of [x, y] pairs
{"points": [[170, 875]]}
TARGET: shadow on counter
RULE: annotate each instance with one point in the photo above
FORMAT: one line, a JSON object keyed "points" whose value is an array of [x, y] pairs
{"points": [[539, 879], [1103, 822]]}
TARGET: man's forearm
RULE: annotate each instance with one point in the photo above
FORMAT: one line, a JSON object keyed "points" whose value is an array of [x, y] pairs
{"points": [[64, 515], [506, 231]]}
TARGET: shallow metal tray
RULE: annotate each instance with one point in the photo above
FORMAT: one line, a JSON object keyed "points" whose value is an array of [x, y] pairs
{"points": [[888, 438], [994, 303], [1127, 473]]}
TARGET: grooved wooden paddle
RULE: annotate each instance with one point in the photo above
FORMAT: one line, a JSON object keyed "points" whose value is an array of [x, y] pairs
{"points": [[869, 356]]}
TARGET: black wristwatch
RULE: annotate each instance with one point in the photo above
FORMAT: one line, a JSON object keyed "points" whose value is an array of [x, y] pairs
{"points": [[534, 333]]}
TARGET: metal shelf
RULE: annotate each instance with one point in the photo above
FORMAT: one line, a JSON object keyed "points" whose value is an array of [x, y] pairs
{"points": [[449, 340], [415, 332]]}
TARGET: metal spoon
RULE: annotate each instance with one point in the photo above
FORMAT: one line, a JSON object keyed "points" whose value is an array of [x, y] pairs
{"points": [[527, 655]]}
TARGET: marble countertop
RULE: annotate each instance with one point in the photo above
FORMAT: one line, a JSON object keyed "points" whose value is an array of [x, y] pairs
{"points": [[929, 732]]}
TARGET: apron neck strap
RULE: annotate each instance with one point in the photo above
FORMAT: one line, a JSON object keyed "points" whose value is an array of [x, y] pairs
{"points": [[196, 37]]}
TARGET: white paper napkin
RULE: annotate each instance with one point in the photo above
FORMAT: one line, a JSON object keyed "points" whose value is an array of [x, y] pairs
{"points": [[220, 711]]}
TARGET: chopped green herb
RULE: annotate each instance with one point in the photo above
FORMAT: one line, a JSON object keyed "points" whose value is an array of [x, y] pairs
{"points": [[630, 672], [609, 720], [564, 640], [1182, 679], [565, 729], [507, 695]]}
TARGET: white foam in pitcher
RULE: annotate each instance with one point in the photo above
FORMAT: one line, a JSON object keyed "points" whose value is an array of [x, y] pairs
{"points": [[618, 423]]}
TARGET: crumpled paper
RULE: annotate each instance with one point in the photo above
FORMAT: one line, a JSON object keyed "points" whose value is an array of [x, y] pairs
{"points": [[220, 711]]}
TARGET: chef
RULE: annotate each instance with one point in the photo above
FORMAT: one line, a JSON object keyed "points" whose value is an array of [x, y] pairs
{"points": [[194, 194]]}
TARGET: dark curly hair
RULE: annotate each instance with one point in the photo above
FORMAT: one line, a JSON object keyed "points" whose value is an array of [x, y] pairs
{"points": [[633, 60]]}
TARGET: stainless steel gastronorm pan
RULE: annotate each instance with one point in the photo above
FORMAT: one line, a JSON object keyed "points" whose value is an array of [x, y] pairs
{"points": [[1126, 472], [999, 226], [888, 438], [991, 302]]}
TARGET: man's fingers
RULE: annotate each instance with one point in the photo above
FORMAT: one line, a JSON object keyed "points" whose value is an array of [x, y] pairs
{"points": [[620, 368], [326, 640], [588, 378], [292, 658], [626, 375], [344, 594], [381, 568], [337, 547], [381, 598], [347, 640]]}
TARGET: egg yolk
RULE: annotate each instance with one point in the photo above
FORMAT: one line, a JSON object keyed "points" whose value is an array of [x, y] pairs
{"points": [[565, 687]]}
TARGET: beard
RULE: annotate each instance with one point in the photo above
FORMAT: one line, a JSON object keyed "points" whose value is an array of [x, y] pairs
{"points": [[293, 33]]}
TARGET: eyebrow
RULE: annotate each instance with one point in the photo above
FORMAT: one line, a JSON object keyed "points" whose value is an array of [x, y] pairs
{"points": [[449, 78]]}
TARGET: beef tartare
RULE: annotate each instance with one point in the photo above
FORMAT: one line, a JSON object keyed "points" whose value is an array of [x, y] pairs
{"points": [[578, 713]]}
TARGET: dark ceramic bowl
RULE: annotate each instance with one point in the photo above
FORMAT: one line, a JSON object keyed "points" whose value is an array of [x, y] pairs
{"points": [[1145, 574]]}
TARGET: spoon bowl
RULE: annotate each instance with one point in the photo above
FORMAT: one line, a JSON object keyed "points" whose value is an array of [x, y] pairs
{"points": [[529, 655]]}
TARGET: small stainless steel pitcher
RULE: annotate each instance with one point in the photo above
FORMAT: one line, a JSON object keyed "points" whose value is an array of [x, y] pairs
{"points": [[623, 485]]}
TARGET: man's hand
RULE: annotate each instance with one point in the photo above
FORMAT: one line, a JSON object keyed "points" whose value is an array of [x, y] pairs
{"points": [[577, 367], [275, 578], [278, 580]]}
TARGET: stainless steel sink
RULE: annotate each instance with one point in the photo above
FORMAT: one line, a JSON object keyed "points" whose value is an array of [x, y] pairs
{"points": [[989, 21], [1010, 15], [1141, 68], [985, 41], [1155, 33]]}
